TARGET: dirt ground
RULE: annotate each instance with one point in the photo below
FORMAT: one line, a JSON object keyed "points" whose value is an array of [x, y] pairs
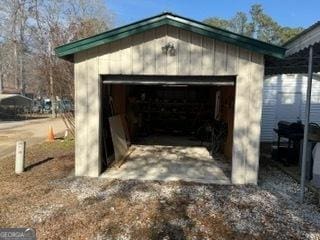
{"points": [[58, 205]]}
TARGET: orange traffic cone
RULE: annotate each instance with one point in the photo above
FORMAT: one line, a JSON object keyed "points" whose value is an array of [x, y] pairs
{"points": [[50, 134]]}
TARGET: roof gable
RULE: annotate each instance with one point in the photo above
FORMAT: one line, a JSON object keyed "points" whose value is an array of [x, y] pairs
{"points": [[66, 51]]}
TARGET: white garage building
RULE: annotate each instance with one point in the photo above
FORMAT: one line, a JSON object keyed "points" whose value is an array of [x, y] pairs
{"points": [[172, 57]]}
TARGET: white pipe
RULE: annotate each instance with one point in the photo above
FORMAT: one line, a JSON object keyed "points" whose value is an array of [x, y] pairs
{"points": [[306, 127], [20, 156]]}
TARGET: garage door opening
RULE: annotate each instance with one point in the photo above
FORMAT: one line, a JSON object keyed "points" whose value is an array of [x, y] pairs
{"points": [[177, 130]]}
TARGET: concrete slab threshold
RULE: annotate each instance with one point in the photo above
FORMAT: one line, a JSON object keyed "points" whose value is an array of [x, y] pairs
{"points": [[172, 163]]}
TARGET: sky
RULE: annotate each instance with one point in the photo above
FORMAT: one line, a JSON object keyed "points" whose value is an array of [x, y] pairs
{"points": [[291, 13]]}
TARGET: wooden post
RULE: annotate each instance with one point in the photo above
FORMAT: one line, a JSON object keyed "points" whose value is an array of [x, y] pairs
{"points": [[20, 156]]}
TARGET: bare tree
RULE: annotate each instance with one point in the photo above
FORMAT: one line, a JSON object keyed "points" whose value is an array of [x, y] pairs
{"points": [[14, 25], [59, 22], [29, 32]]}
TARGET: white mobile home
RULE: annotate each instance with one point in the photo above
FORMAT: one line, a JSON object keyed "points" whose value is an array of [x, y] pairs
{"points": [[284, 99]]}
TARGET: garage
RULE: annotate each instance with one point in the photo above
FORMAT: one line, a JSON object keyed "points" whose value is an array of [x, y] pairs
{"points": [[169, 122], [172, 82]]}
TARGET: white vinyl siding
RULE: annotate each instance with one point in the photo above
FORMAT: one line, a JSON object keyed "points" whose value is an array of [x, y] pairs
{"points": [[279, 92]]}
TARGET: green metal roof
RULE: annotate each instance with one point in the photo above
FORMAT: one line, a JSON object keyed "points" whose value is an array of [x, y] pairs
{"points": [[68, 50]]}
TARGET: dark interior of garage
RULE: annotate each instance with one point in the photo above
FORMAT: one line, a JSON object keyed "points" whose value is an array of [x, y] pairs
{"points": [[202, 114], [169, 109]]}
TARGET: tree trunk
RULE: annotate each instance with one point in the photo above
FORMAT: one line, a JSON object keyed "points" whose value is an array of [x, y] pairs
{"points": [[15, 53], [22, 75], [53, 99], [1, 81]]}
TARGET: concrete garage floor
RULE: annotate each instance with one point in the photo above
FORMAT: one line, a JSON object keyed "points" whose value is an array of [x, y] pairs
{"points": [[172, 163]]}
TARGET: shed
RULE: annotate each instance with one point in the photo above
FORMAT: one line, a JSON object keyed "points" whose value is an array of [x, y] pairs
{"points": [[14, 100], [180, 74]]}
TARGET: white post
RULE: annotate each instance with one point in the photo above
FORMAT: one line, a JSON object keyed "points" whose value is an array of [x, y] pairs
{"points": [[306, 126], [20, 156]]}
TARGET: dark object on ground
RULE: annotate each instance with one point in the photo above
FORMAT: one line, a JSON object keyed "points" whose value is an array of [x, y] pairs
{"points": [[293, 132]]}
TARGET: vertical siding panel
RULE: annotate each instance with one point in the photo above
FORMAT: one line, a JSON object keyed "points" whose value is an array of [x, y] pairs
{"points": [[149, 52], [184, 52], [120, 50], [232, 57], [108, 58], [81, 106], [103, 59], [196, 54], [93, 99], [160, 58], [117, 55], [254, 121], [220, 57], [137, 54], [213, 55], [126, 58], [172, 60], [240, 132], [207, 56], [114, 58], [87, 101]]}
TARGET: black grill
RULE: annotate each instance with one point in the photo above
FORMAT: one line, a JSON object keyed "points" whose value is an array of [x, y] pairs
{"points": [[293, 132]]}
